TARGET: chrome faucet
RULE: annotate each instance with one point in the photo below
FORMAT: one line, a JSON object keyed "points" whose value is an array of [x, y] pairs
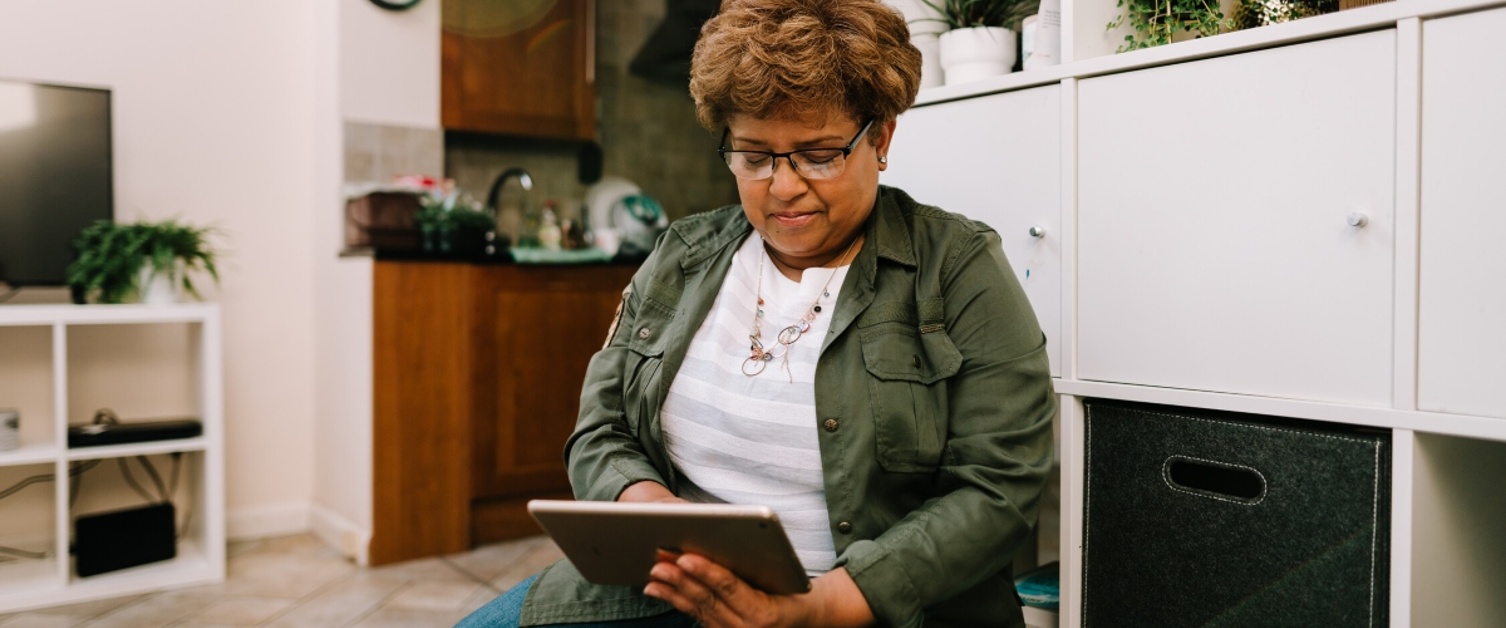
{"points": [[523, 178], [510, 221]]}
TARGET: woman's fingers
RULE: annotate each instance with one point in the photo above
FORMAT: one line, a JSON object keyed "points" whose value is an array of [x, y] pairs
{"points": [[711, 593]]}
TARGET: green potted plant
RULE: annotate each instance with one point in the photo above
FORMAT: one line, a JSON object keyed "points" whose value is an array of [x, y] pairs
{"points": [[1156, 22], [980, 40], [449, 221], [147, 262], [1257, 13]]}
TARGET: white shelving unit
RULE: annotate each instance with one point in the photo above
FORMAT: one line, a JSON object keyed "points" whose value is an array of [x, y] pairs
{"points": [[1199, 250], [39, 348]]}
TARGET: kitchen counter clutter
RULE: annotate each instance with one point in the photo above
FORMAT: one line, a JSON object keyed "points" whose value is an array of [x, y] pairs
{"points": [[478, 368]]}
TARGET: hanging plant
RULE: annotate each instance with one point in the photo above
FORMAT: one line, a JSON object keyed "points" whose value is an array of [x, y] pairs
{"points": [[1156, 21]]}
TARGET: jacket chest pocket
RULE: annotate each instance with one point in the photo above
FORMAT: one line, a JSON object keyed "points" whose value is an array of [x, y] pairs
{"points": [[642, 388], [907, 385]]}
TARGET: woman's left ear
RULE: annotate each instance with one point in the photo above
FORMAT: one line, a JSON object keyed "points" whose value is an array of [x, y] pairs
{"points": [[882, 146]]}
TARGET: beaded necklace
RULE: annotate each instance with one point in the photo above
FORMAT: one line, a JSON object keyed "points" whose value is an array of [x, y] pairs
{"points": [[758, 356]]}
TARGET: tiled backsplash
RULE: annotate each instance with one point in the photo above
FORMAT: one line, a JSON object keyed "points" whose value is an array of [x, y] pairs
{"points": [[378, 152]]}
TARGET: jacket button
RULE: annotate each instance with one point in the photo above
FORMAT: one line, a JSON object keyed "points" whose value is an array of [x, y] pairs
{"points": [[831, 425], [845, 527], [915, 359], [644, 333]]}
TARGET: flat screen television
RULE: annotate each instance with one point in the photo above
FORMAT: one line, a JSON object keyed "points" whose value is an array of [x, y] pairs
{"points": [[55, 176]]}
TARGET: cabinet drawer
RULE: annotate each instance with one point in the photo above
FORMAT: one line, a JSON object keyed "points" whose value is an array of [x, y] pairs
{"points": [[1462, 295], [1214, 211], [996, 159]]}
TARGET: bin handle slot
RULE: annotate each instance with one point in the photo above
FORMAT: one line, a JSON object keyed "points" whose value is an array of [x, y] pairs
{"points": [[1217, 480]]}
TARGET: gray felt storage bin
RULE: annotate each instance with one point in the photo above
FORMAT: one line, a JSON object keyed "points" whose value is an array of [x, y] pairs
{"points": [[1204, 518]]}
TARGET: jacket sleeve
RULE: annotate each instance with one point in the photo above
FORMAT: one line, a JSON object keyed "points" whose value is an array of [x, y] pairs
{"points": [[997, 449], [604, 455]]}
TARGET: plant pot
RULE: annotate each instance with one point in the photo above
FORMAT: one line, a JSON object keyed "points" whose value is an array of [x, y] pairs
{"points": [[971, 54], [925, 26], [160, 287]]}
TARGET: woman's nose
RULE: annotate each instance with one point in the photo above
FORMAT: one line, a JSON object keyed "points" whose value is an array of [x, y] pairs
{"points": [[786, 182]]}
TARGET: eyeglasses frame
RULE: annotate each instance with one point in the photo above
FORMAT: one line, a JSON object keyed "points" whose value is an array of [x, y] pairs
{"points": [[722, 150]]}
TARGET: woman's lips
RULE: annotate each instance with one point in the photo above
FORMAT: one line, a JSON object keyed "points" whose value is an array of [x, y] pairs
{"points": [[791, 220]]}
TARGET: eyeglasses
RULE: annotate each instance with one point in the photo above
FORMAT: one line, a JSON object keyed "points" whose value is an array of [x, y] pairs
{"points": [[811, 163]]}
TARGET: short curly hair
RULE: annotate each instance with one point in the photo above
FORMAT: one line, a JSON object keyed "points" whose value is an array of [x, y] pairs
{"points": [[805, 59]]}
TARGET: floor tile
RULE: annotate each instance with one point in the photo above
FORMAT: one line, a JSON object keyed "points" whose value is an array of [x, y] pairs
{"points": [[240, 611], [408, 618], [297, 581], [533, 562], [435, 596]]}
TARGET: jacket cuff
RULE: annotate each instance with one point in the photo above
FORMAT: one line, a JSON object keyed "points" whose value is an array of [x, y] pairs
{"points": [[626, 471], [884, 582]]}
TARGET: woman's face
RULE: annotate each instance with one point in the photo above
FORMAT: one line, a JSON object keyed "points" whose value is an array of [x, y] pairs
{"points": [[809, 222]]}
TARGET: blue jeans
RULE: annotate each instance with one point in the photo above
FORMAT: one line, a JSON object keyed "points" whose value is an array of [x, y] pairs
{"points": [[507, 610]]}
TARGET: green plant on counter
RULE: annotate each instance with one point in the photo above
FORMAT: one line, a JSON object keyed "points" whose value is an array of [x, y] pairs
{"points": [[111, 257], [1155, 21], [969, 13], [445, 214]]}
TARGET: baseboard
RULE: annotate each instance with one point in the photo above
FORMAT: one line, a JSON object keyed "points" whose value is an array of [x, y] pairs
{"points": [[342, 534], [263, 521]]}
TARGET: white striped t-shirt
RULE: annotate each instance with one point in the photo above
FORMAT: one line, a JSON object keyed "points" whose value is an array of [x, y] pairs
{"points": [[753, 440]]}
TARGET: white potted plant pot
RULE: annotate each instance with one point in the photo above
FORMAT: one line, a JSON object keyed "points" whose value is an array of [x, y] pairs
{"points": [[161, 287], [926, 26], [970, 54]]}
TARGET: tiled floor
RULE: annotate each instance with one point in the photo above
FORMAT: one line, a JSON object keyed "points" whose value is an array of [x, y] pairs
{"points": [[298, 581]]}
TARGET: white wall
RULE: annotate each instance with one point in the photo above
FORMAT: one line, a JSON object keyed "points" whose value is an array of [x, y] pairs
{"points": [[214, 112], [378, 67]]}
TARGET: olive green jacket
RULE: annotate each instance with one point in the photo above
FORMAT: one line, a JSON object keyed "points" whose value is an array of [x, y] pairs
{"points": [[932, 390]]}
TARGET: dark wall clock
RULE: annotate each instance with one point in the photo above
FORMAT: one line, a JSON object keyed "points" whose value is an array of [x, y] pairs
{"points": [[395, 5]]}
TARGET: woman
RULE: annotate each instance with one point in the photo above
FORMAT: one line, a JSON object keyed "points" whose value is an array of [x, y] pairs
{"points": [[866, 365]]}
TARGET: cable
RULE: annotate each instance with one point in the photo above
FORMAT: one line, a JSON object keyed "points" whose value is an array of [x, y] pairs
{"points": [[177, 466], [23, 553], [78, 472], [16, 488], [125, 472]]}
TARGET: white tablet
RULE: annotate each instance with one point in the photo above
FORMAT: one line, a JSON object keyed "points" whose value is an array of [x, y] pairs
{"points": [[615, 543]]}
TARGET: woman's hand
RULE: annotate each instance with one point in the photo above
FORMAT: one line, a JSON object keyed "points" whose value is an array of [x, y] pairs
{"points": [[646, 491], [716, 598]]}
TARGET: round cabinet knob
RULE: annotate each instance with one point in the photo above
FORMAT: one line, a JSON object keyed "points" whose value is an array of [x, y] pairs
{"points": [[1037, 232], [1357, 219]]}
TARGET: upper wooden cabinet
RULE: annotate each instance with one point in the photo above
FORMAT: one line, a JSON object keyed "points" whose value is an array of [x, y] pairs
{"points": [[522, 67]]}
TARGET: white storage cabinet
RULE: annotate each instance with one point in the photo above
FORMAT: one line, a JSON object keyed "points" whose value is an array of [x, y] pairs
{"points": [[49, 356], [995, 159], [1294, 221]]}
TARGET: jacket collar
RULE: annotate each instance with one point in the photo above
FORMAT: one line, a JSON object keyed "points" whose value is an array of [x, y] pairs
{"points": [[889, 230]]}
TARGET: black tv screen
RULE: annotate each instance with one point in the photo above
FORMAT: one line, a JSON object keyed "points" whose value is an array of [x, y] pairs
{"points": [[55, 176]]}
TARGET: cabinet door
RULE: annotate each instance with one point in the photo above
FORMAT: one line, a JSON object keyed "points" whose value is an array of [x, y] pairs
{"points": [[996, 159], [519, 68], [1462, 287], [1216, 251]]}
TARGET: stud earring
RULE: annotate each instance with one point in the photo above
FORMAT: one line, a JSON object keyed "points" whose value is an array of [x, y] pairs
{"points": [[883, 159]]}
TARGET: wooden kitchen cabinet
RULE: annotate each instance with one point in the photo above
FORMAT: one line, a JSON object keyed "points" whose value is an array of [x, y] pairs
{"points": [[519, 68], [477, 380]]}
